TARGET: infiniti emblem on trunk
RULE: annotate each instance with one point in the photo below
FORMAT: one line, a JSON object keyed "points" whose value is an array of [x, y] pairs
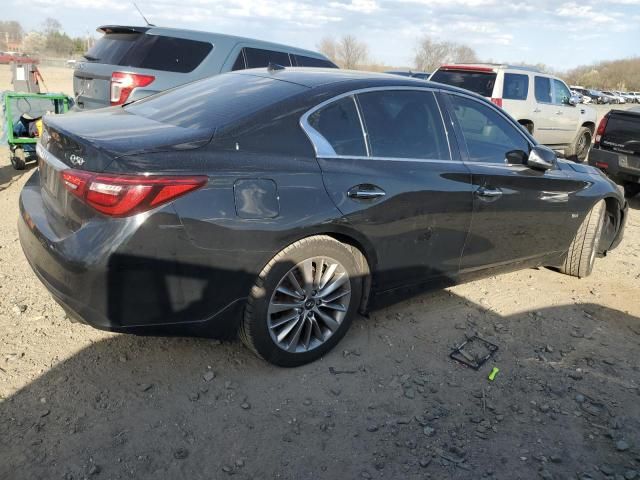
{"points": [[76, 159]]}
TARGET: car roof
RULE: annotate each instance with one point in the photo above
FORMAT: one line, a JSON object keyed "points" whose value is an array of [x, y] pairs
{"points": [[490, 67], [207, 36]]}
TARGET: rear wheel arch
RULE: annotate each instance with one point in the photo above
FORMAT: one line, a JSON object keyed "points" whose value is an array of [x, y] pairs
{"points": [[613, 219], [590, 125]]}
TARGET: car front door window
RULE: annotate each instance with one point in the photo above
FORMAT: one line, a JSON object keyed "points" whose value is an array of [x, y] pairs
{"points": [[488, 136]]}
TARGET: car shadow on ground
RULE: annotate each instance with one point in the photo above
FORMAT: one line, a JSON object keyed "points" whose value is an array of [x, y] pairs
{"points": [[8, 174], [386, 403]]}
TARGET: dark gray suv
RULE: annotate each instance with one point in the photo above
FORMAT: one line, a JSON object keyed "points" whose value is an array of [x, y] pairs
{"points": [[129, 63]]}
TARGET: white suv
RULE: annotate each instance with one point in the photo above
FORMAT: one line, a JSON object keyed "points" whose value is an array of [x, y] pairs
{"points": [[540, 102]]}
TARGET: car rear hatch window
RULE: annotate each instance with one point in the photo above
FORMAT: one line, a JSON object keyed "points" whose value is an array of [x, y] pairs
{"points": [[214, 102], [621, 134], [143, 50], [479, 80]]}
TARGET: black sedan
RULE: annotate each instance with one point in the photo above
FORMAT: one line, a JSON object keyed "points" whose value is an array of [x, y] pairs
{"points": [[282, 202]]}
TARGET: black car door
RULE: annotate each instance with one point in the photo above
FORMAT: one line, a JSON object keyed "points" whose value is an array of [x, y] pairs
{"points": [[387, 165], [520, 214]]}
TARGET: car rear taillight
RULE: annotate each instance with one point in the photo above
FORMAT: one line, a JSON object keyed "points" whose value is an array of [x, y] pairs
{"points": [[123, 83], [497, 101], [125, 195], [602, 126]]}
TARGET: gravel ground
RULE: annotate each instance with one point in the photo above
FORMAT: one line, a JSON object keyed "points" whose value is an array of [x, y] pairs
{"points": [[387, 403]]}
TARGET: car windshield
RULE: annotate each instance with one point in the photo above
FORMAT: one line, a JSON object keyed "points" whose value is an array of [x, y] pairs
{"points": [[476, 81]]}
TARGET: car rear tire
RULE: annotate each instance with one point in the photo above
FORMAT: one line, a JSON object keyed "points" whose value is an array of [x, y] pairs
{"points": [[17, 159], [579, 150], [582, 252], [303, 301]]}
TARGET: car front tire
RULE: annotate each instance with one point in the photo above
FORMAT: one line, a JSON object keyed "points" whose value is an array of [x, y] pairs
{"points": [[303, 301], [584, 247]]}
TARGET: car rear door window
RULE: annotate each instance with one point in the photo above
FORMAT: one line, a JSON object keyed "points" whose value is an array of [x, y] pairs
{"points": [[561, 94], [340, 125], [489, 137], [543, 89], [516, 86], [239, 63], [259, 58], [404, 124]]}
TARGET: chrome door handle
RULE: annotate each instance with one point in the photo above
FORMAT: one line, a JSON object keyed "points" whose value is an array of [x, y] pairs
{"points": [[537, 110], [488, 193], [559, 112], [365, 192]]}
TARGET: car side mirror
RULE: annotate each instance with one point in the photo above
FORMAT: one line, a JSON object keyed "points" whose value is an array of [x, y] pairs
{"points": [[573, 100], [541, 158]]}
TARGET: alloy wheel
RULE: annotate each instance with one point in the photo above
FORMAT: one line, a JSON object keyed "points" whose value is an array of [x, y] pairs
{"points": [[309, 304]]}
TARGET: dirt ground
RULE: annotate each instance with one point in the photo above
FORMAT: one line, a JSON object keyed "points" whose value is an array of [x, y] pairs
{"points": [[387, 403]]}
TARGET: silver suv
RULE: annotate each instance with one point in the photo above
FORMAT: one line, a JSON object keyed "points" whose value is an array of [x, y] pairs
{"points": [[540, 102], [129, 63]]}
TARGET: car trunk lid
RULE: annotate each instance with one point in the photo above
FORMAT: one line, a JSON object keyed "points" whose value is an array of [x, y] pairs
{"points": [[91, 142]]}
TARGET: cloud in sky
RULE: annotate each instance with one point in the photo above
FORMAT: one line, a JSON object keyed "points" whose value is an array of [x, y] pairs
{"points": [[561, 34]]}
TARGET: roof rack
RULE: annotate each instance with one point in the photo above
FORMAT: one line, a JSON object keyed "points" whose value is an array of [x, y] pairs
{"points": [[529, 68]]}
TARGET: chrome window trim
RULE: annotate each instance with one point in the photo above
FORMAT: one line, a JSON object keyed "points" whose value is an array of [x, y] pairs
{"points": [[323, 148]]}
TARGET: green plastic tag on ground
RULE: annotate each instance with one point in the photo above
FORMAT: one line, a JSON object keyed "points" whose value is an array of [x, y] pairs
{"points": [[493, 373]]}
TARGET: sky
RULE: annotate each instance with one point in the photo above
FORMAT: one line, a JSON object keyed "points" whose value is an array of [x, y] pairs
{"points": [[561, 34]]}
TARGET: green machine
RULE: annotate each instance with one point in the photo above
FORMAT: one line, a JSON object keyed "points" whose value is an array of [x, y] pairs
{"points": [[23, 114]]}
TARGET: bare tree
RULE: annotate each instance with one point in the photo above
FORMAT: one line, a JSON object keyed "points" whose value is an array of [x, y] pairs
{"points": [[430, 54], [51, 26], [351, 52], [348, 52], [328, 47]]}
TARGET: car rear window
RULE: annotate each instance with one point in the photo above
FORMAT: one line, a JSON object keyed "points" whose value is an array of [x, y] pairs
{"points": [[516, 86], [479, 82], [622, 132], [215, 101], [157, 52]]}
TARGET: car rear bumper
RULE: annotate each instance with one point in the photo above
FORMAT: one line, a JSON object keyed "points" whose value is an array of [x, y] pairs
{"points": [[115, 277], [610, 163]]}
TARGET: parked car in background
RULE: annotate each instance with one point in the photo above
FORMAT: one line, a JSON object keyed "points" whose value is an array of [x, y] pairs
{"points": [[629, 97], [585, 94], [636, 96], [9, 57], [581, 98], [129, 63], [409, 73], [617, 148], [598, 97], [291, 207], [613, 97], [540, 102]]}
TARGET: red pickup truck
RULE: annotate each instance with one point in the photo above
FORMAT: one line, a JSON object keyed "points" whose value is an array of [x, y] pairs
{"points": [[8, 57]]}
